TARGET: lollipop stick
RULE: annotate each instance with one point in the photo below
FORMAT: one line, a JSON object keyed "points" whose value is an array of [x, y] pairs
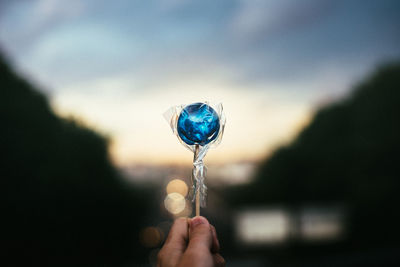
{"points": [[196, 151], [197, 203]]}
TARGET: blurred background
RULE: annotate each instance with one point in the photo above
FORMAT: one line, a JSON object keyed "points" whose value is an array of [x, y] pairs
{"points": [[307, 173]]}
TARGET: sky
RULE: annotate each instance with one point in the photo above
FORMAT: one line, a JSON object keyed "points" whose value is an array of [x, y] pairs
{"points": [[117, 66]]}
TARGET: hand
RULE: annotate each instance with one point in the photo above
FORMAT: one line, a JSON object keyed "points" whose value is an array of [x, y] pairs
{"points": [[191, 242]]}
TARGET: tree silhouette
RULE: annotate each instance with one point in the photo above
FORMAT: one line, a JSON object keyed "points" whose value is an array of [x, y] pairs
{"points": [[64, 203], [347, 155]]}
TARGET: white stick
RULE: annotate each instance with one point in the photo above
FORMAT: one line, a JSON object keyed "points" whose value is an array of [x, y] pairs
{"points": [[196, 151]]}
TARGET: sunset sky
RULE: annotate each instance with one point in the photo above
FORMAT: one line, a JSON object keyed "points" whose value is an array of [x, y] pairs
{"points": [[118, 65]]}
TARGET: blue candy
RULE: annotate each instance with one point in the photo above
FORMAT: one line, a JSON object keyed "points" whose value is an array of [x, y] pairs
{"points": [[198, 124]]}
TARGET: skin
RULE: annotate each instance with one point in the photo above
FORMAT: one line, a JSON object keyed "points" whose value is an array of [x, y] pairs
{"points": [[191, 242]]}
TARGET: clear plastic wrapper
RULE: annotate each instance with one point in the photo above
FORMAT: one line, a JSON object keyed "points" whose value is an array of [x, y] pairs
{"points": [[198, 126]]}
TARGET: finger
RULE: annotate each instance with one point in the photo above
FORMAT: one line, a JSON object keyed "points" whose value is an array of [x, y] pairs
{"points": [[215, 242], [178, 234], [175, 245], [200, 236], [219, 261]]}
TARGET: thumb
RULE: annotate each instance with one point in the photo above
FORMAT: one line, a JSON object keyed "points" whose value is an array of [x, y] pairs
{"points": [[198, 252], [200, 235]]}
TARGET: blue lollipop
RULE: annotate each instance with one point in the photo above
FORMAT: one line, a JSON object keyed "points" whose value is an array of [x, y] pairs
{"points": [[198, 124]]}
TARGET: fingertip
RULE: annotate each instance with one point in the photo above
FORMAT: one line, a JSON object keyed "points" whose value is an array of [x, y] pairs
{"points": [[179, 231], [198, 220], [182, 221], [200, 234]]}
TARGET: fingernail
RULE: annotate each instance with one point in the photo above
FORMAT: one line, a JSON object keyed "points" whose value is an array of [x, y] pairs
{"points": [[197, 221]]}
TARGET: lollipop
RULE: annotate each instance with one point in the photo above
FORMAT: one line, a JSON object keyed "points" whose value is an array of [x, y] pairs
{"points": [[198, 126]]}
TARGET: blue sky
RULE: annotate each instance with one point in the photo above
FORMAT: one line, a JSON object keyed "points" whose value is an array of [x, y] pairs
{"points": [[118, 65]]}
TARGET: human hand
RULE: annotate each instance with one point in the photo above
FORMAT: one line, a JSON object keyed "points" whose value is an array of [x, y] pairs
{"points": [[191, 242]]}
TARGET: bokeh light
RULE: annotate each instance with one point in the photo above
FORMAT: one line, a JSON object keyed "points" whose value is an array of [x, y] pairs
{"points": [[174, 203], [177, 186], [264, 226], [187, 211], [151, 237]]}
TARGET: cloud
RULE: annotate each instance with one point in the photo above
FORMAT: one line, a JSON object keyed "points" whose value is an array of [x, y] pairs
{"points": [[250, 42], [296, 41], [259, 19], [26, 22]]}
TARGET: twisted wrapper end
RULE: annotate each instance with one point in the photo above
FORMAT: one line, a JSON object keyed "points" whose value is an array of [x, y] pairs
{"points": [[198, 174]]}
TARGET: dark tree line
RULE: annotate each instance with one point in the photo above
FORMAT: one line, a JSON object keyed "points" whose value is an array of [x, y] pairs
{"points": [[63, 203], [349, 154]]}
